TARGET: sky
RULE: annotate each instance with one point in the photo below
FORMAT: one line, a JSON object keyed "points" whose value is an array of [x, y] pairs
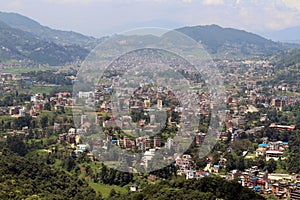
{"points": [[104, 17]]}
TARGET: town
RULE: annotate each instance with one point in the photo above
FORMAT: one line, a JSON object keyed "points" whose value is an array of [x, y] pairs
{"points": [[254, 145]]}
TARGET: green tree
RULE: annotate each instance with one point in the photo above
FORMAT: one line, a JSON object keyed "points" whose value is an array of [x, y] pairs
{"points": [[47, 106], [16, 144], [271, 165]]}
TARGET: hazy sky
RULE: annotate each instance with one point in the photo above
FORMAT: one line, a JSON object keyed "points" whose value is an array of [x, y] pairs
{"points": [[102, 17]]}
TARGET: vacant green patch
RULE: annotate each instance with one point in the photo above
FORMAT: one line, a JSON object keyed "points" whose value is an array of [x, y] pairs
{"points": [[104, 190], [40, 152], [38, 89]]}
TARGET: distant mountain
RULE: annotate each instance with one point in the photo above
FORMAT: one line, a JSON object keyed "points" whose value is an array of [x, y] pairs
{"points": [[22, 38], [291, 35], [16, 44], [45, 33], [231, 42]]}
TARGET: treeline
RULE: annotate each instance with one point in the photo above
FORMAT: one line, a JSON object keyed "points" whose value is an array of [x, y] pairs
{"points": [[25, 178], [112, 176], [208, 188], [294, 153], [51, 77], [13, 99]]}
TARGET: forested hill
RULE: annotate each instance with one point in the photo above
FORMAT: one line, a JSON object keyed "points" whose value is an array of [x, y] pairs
{"points": [[45, 33], [229, 41], [287, 58], [22, 38], [32, 178], [16, 45]]}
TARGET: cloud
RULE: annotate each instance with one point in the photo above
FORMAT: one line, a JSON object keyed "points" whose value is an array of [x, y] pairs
{"points": [[187, 1], [213, 2], [293, 4], [83, 2], [89, 2]]}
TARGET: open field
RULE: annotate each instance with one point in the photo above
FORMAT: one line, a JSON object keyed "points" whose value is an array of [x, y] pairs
{"points": [[105, 189]]}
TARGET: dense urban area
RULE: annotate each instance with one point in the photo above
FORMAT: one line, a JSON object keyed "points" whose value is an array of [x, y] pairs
{"points": [[258, 147]]}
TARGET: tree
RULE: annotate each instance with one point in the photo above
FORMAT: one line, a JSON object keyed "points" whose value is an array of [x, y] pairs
{"points": [[112, 193], [44, 121], [271, 166], [294, 153], [16, 144], [47, 106]]}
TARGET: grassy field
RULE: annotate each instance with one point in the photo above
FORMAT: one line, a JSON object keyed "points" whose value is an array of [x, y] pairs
{"points": [[105, 189], [38, 89]]}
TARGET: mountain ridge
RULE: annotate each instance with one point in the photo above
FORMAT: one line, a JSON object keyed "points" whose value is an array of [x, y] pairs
{"points": [[219, 40], [291, 34], [16, 44], [24, 23], [55, 47]]}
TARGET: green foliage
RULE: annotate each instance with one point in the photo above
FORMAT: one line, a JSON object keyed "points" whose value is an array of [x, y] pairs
{"points": [[113, 177], [13, 99], [294, 153], [271, 166], [206, 188], [25, 178], [288, 58], [216, 39], [16, 144], [51, 77], [61, 37], [25, 46]]}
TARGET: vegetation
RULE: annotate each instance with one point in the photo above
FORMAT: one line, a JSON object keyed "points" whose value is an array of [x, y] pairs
{"points": [[21, 45], [205, 188], [294, 155], [218, 39], [27, 178]]}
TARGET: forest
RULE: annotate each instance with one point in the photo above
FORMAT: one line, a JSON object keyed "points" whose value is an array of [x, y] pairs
{"points": [[207, 188]]}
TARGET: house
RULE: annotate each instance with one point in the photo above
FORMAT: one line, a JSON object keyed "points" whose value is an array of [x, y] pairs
{"points": [[295, 194], [282, 127], [273, 154], [134, 188]]}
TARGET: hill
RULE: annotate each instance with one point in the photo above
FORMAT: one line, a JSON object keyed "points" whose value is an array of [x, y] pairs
{"points": [[32, 178], [16, 44], [22, 38], [291, 34], [45, 33], [231, 42]]}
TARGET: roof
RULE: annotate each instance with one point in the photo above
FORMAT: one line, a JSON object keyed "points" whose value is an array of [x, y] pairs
{"points": [[263, 145], [274, 152]]}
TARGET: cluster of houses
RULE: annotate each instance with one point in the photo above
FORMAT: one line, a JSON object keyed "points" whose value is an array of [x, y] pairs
{"points": [[271, 150], [283, 186]]}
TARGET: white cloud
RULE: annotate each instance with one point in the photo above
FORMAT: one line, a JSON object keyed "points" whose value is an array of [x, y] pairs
{"points": [[89, 2], [213, 2], [187, 1], [294, 4], [84, 2]]}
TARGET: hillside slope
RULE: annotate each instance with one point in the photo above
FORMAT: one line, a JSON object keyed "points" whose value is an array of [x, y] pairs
{"points": [[16, 44], [45, 33], [229, 41]]}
